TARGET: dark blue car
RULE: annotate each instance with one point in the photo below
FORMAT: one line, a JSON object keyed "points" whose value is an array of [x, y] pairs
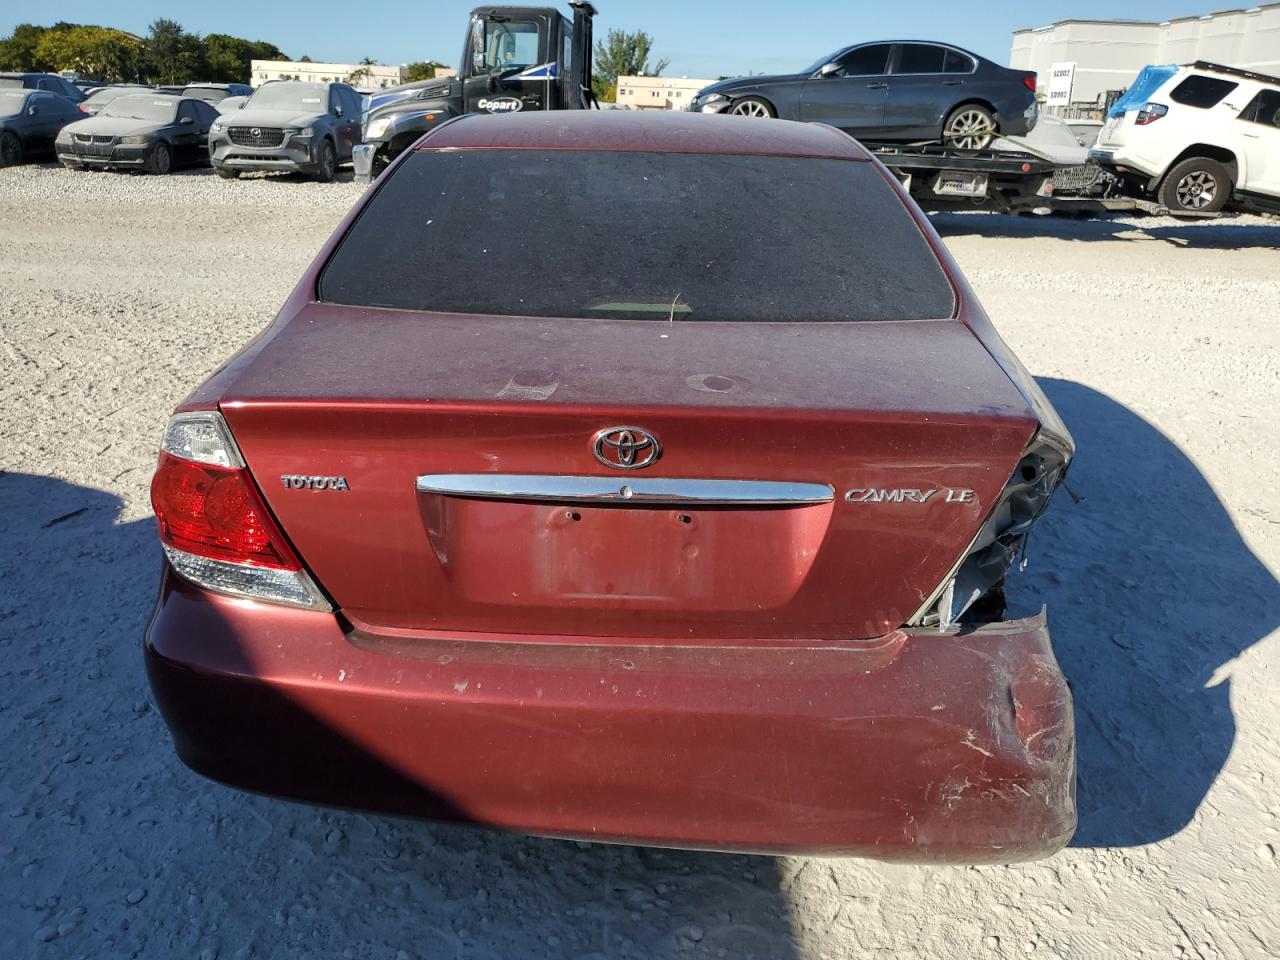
{"points": [[29, 122], [893, 91]]}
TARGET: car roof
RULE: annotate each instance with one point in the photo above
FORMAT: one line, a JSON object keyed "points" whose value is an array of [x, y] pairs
{"points": [[652, 131]]}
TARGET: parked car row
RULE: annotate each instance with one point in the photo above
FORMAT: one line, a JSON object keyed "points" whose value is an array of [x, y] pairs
{"points": [[308, 128], [1208, 136]]}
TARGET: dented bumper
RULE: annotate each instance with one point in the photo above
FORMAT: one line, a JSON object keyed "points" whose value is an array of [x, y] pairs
{"points": [[915, 746]]}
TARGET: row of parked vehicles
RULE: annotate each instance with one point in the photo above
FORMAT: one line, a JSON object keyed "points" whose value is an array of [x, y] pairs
{"points": [[308, 128], [957, 129]]}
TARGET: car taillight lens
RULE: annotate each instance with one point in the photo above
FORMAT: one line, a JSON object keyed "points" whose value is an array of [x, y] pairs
{"points": [[1150, 113], [1029, 81], [985, 563], [215, 528]]}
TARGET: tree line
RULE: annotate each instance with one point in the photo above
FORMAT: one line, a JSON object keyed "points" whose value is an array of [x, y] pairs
{"points": [[168, 54]]}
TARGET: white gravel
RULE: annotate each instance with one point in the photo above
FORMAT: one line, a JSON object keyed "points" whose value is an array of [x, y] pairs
{"points": [[1160, 345]]}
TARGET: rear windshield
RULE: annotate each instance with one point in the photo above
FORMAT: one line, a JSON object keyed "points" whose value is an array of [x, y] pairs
{"points": [[207, 94], [1203, 92], [640, 236]]}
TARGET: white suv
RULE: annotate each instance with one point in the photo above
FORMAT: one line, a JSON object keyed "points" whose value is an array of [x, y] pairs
{"points": [[1206, 135]]}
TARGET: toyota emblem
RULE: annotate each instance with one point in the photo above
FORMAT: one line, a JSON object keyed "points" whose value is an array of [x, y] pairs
{"points": [[626, 448]]}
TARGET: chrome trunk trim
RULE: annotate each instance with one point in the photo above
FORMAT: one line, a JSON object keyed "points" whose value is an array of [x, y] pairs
{"points": [[639, 490]]}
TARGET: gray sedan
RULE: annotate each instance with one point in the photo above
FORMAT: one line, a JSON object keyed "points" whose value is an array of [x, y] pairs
{"points": [[290, 127], [153, 132], [900, 91]]}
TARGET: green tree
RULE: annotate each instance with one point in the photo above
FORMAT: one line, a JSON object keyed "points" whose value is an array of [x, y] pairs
{"points": [[229, 59], [623, 54], [98, 52], [304, 59], [18, 50], [174, 56], [422, 70]]}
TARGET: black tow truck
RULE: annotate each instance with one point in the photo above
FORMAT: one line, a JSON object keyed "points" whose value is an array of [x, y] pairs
{"points": [[514, 59]]}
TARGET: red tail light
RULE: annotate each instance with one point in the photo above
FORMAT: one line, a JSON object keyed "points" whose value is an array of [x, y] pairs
{"points": [[82, 108], [1029, 81], [214, 527], [215, 512], [1150, 113]]}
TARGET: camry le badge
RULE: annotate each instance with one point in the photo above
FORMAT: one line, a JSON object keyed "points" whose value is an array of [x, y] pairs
{"points": [[626, 448], [868, 495]]}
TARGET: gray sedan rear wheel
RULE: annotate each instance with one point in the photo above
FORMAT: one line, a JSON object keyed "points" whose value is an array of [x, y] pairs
{"points": [[753, 107], [10, 149], [969, 127]]}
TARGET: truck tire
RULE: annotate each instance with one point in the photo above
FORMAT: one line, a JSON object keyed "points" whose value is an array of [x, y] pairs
{"points": [[754, 107], [1196, 185], [327, 165]]}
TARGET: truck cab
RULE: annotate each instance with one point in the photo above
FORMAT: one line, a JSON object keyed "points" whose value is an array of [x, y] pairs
{"points": [[513, 59]]}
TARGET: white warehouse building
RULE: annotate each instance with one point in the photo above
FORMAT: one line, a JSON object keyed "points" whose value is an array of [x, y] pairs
{"points": [[1092, 58], [377, 75]]}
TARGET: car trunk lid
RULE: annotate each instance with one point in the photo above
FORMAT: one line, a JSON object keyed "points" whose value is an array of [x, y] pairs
{"points": [[909, 428]]}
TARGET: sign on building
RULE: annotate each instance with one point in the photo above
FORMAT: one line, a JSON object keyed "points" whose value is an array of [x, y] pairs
{"points": [[1061, 78]]}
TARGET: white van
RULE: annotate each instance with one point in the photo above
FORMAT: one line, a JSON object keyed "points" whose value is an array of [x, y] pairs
{"points": [[1207, 136]]}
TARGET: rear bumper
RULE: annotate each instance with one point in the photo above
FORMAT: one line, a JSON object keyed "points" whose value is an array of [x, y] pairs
{"points": [[1131, 167], [910, 747]]}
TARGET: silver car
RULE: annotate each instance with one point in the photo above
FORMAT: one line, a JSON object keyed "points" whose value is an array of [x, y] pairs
{"points": [[308, 128]]}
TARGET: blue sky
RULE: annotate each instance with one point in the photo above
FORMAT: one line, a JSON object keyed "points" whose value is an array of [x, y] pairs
{"points": [[702, 39]]}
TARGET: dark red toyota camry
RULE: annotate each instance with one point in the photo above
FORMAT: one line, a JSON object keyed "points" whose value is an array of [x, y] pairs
{"points": [[638, 478]]}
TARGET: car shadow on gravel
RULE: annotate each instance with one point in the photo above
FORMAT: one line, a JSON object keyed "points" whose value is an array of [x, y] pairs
{"points": [[78, 588], [1223, 234], [1152, 592]]}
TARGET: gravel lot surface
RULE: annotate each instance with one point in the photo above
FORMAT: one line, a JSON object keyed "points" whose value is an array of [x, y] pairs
{"points": [[1158, 341]]}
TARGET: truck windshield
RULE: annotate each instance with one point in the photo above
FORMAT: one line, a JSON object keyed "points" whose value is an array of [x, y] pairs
{"points": [[509, 45], [639, 236]]}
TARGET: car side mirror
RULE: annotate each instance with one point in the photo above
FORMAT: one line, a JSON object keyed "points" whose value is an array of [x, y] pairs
{"points": [[32, 111], [186, 121], [829, 70], [337, 110]]}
